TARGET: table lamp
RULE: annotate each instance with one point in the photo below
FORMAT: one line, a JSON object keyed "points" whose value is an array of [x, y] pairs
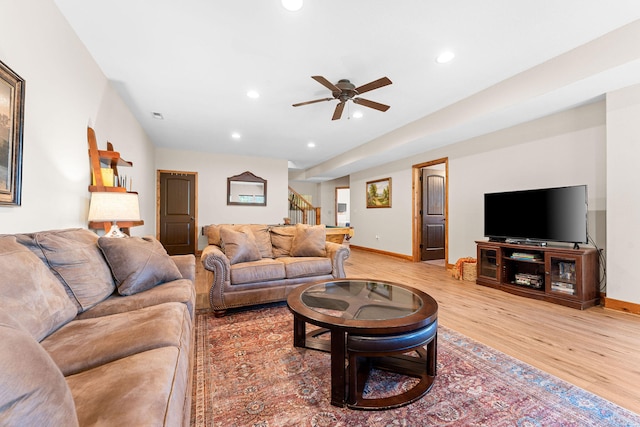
{"points": [[113, 207]]}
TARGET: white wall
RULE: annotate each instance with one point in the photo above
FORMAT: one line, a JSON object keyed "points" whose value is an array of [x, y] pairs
{"points": [[116, 124], [65, 92], [213, 171], [623, 197], [385, 229], [563, 149]]}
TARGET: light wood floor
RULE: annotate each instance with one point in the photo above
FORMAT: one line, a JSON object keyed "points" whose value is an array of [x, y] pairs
{"points": [[596, 349]]}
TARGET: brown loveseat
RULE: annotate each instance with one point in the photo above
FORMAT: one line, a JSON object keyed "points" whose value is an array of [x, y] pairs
{"points": [[250, 264], [94, 331]]}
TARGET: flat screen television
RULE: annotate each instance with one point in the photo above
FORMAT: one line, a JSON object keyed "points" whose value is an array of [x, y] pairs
{"points": [[541, 215]]}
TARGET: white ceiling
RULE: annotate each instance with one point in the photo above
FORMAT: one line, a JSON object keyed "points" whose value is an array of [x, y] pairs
{"points": [[193, 61]]}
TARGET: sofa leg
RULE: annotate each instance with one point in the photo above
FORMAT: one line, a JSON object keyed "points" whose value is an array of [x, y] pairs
{"points": [[219, 313]]}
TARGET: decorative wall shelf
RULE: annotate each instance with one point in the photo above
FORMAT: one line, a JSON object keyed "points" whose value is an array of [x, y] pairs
{"points": [[106, 159]]}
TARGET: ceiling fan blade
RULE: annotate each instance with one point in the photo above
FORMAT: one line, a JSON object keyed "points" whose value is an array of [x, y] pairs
{"points": [[313, 102], [384, 81], [338, 111], [326, 83], [371, 104]]}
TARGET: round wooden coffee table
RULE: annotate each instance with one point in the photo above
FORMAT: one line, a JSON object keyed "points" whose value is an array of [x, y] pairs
{"points": [[373, 324]]}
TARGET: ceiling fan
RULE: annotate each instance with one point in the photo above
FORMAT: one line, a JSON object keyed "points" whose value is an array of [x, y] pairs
{"points": [[344, 91]]}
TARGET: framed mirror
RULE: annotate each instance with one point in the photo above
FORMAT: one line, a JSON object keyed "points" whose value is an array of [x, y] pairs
{"points": [[246, 189]]}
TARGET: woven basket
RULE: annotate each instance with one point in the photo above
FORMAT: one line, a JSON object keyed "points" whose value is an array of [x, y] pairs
{"points": [[469, 271]]}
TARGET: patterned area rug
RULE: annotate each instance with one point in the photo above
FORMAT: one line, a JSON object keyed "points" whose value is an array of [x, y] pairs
{"points": [[249, 374]]}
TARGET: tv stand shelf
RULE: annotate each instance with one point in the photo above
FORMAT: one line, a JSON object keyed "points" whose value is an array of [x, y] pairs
{"points": [[557, 274]]}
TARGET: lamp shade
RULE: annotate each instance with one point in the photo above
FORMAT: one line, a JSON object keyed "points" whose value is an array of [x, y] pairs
{"points": [[114, 206]]}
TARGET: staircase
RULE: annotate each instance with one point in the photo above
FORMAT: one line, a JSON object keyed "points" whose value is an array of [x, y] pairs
{"points": [[301, 211]]}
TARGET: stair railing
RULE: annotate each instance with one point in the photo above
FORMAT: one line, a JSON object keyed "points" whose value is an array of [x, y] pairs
{"points": [[301, 210]]}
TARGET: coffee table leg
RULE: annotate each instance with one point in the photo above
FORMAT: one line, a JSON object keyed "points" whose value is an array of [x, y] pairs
{"points": [[338, 354], [432, 355], [299, 332]]}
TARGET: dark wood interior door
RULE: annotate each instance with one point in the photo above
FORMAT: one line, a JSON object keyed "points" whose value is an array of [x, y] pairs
{"points": [[433, 214], [177, 212]]}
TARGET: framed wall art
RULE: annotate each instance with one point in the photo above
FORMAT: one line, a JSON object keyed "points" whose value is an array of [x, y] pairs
{"points": [[11, 128], [379, 193]]}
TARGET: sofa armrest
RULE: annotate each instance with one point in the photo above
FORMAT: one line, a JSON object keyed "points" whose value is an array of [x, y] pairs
{"points": [[215, 261], [338, 254], [187, 266]]}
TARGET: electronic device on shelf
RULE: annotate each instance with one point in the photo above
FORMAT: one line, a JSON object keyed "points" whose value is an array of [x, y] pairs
{"points": [[527, 242], [531, 280]]}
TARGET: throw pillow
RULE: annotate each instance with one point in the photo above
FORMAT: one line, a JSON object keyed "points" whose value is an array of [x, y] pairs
{"points": [[281, 239], [138, 263], [74, 258], [263, 239], [29, 291], [309, 241], [239, 246]]}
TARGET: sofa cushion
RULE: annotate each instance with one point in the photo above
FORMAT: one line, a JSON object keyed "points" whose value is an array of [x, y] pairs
{"points": [[181, 290], [30, 292], [257, 271], [140, 390], [239, 246], [33, 391], [108, 338], [306, 266], [309, 241], [281, 240], [138, 263], [186, 265], [74, 257]]}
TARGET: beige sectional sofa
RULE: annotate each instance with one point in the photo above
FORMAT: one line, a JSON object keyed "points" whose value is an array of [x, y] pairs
{"points": [[250, 264], [94, 331]]}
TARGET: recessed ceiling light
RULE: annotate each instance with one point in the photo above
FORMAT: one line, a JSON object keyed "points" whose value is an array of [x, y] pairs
{"points": [[157, 116], [292, 5], [235, 135], [357, 115], [253, 94], [445, 57], [311, 144]]}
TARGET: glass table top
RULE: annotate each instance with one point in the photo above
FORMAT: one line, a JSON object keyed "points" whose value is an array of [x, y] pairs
{"points": [[361, 300]]}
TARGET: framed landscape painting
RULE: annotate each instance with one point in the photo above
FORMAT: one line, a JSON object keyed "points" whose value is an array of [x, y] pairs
{"points": [[11, 127], [379, 193]]}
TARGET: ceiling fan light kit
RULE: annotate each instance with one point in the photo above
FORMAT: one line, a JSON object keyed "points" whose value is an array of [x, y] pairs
{"points": [[344, 91]]}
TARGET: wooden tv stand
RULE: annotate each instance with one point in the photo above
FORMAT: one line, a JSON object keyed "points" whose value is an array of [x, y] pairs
{"points": [[557, 274]]}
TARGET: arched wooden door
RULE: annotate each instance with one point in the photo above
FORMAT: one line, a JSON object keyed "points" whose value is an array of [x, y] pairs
{"points": [[433, 214], [177, 220]]}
